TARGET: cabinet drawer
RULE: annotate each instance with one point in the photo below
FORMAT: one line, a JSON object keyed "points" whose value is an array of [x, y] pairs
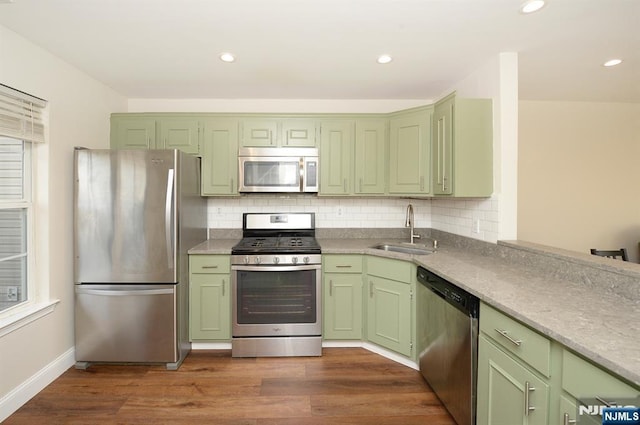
{"points": [[516, 338], [342, 263], [209, 264], [585, 380], [390, 269]]}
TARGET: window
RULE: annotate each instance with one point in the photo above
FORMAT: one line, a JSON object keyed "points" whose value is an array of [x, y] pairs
{"points": [[15, 222], [21, 127]]}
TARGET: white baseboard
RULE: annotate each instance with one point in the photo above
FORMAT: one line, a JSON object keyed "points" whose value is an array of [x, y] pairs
{"points": [[36, 383]]}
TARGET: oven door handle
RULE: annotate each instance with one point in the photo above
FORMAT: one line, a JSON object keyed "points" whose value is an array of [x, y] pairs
{"points": [[277, 268]]}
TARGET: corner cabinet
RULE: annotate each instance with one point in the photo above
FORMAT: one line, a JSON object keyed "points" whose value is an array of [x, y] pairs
{"points": [[342, 283], [220, 157], [463, 147], [410, 153], [210, 297], [133, 131], [389, 289]]}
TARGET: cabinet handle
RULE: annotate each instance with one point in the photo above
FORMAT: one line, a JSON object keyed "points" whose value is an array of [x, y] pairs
{"points": [[345, 266], [516, 342], [567, 421], [527, 390], [209, 267], [331, 287], [370, 289], [360, 190], [421, 183], [231, 186], [270, 137], [345, 185], [224, 285], [605, 402]]}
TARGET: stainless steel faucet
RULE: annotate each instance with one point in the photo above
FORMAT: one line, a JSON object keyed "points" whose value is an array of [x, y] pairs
{"points": [[409, 222]]}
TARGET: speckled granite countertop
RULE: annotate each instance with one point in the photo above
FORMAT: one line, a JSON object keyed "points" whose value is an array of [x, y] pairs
{"points": [[599, 324]]}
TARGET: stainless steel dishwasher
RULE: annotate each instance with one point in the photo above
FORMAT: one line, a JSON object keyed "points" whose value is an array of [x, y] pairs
{"points": [[448, 343]]}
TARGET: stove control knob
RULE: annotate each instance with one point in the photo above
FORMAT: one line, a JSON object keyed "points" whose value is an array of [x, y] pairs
{"points": [[246, 259], [276, 260], [294, 260], [257, 260], [306, 260]]}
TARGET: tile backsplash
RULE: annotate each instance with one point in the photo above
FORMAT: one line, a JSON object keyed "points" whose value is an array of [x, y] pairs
{"points": [[474, 218]]}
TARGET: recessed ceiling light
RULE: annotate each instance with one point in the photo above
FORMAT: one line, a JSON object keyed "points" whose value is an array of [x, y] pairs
{"points": [[227, 57], [531, 6], [613, 62], [384, 59]]}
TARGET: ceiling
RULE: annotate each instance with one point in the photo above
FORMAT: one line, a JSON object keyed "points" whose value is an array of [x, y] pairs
{"points": [[327, 49]]}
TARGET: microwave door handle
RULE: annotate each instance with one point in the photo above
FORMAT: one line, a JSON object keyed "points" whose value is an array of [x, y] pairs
{"points": [[301, 171]]}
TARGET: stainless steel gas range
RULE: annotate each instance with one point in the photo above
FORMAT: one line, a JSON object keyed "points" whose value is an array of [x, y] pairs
{"points": [[276, 287]]}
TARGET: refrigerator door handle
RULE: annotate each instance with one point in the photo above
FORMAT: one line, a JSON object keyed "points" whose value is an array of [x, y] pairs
{"points": [[119, 293], [167, 218]]}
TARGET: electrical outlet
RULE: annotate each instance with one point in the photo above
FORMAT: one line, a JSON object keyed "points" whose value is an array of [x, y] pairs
{"points": [[12, 293], [476, 225], [339, 211]]}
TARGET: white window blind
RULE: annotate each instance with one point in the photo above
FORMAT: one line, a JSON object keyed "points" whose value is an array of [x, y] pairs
{"points": [[21, 115]]}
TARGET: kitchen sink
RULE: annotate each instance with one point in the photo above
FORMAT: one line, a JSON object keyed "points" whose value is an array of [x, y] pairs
{"points": [[404, 249]]}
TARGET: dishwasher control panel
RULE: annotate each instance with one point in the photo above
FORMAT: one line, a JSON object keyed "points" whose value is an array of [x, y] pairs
{"points": [[459, 298]]}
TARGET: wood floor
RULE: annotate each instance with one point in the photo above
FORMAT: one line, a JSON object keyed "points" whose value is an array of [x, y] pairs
{"points": [[344, 386]]}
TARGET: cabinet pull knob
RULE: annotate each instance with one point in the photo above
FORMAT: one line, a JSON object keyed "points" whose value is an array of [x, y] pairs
{"points": [[567, 421], [516, 342], [528, 389]]}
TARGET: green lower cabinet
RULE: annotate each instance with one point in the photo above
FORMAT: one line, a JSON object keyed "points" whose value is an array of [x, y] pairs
{"points": [[509, 393], [342, 306], [389, 314], [210, 297]]}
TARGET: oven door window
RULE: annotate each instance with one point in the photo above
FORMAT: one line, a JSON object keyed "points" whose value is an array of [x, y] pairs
{"points": [[270, 297], [272, 173]]}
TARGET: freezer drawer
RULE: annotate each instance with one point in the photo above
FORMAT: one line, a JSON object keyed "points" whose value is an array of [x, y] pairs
{"points": [[126, 323]]}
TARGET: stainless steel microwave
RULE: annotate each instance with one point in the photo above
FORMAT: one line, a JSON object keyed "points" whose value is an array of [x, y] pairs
{"points": [[278, 170]]}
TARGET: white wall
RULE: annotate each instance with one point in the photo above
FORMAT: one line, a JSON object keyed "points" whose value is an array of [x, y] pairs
{"points": [[79, 109], [579, 175]]}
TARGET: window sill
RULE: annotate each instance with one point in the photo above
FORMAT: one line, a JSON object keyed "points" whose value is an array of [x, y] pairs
{"points": [[26, 316]]}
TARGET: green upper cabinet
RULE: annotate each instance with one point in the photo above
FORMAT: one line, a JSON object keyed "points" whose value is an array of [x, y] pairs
{"points": [[132, 131], [271, 132], [370, 158], [220, 157], [180, 133], [410, 153], [336, 152], [463, 147]]}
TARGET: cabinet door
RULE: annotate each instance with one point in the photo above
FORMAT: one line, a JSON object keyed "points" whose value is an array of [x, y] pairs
{"points": [[259, 133], [342, 306], [180, 133], [409, 153], [299, 133], [508, 393], [336, 144], [220, 157], [210, 306], [389, 314], [442, 148], [370, 148], [133, 133]]}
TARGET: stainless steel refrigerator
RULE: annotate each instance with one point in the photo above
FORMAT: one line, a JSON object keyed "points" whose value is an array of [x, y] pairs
{"points": [[137, 212]]}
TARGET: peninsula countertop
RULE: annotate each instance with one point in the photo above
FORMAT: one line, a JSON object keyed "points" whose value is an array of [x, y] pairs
{"points": [[600, 325]]}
